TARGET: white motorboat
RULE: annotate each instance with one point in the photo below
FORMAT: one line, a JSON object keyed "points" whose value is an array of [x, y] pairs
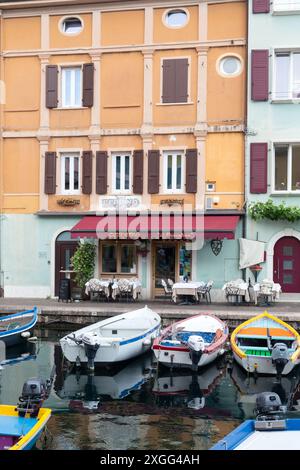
{"points": [[193, 342], [112, 340]]}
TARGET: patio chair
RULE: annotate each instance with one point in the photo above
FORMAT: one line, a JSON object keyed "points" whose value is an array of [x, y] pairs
{"points": [[167, 289], [170, 283], [125, 289], [232, 294], [204, 292], [265, 295]]}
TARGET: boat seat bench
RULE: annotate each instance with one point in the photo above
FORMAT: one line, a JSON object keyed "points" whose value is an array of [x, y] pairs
{"points": [[16, 425]]}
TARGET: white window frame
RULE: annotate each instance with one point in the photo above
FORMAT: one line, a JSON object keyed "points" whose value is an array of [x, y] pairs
{"points": [[289, 191], [174, 154], [63, 67], [70, 155], [61, 25], [122, 189], [174, 9], [289, 99], [286, 9]]}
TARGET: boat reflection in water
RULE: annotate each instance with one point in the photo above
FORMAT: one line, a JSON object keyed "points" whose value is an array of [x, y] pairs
{"points": [[249, 387], [186, 388], [86, 391], [25, 351]]}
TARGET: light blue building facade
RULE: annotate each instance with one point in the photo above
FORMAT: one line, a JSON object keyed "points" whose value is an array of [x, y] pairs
{"points": [[273, 134]]}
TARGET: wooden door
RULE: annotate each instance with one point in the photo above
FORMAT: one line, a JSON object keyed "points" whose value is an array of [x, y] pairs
{"points": [[164, 264], [63, 254], [286, 264]]}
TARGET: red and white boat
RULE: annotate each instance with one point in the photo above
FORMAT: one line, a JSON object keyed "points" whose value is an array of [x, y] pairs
{"points": [[193, 342]]}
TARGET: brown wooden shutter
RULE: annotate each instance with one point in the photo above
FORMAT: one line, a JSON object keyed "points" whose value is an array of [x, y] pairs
{"points": [[153, 171], [175, 81], [169, 87], [258, 168], [191, 171], [87, 171], [88, 85], [50, 173], [260, 75], [101, 172], [51, 86], [181, 77], [261, 6], [138, 169]]}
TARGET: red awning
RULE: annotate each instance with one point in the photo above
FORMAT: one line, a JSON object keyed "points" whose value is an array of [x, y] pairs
{"points": [[156, 226]]}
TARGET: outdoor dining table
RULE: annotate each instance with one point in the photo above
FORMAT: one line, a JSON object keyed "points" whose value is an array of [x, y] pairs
{"points": [[98, 285], [186, 289], [237, 288], [273, 291], [135, 284]]}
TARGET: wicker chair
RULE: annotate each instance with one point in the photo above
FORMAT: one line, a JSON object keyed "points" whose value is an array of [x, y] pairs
{"points": [[125, 289]]}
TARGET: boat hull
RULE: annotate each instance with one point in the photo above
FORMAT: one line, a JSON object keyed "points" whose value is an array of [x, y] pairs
{"points": [[262, 365], [25, 323], [181, 359], [14, 426], [119, 338]]}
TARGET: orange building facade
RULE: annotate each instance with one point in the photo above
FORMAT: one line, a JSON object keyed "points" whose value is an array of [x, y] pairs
{"points": [[116, 106]]}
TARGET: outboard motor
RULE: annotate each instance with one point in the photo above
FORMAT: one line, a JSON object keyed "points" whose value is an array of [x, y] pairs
{"points": [[196, 346], [196, 398], [91, 346], [269, 412], [35, 392], [280, 357]]}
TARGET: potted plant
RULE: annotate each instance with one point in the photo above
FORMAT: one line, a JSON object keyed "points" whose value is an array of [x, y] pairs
{"points": [[83, 262]]}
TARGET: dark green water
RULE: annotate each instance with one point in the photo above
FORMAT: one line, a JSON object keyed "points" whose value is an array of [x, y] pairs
{"points": [[137, 407]]}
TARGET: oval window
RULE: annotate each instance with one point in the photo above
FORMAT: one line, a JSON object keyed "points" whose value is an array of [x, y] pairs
{"points": [[230, 65], [176, 18], [72, 25]]}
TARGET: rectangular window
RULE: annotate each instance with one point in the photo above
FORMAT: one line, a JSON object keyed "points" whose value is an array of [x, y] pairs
{"points": [[71, 87], [118, 258], [109, 258], [286, 5], [70, 169], [173, 172], [287, 167], [175, 80], [287, 75], [121, 174]]}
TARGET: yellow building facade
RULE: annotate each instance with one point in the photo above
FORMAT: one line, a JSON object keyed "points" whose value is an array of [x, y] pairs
{"points": [[134, 105]]}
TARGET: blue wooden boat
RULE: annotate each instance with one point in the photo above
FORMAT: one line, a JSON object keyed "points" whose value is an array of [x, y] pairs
{"points": [[17, 327], [269, 431], [22, 425]]}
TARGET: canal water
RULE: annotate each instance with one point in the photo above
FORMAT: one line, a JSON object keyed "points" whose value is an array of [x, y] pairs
{"points": [[137, 406]]}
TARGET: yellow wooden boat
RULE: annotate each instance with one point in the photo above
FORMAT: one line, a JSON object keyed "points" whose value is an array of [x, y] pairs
{"points": [[266, 345], [20, 432]]}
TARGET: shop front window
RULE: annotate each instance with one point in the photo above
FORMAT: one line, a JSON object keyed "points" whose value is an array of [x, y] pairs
{"points": [[185, 262], [118, 258]]}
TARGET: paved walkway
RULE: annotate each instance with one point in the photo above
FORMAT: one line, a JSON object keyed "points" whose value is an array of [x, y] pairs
{"points": [[85, 312]]}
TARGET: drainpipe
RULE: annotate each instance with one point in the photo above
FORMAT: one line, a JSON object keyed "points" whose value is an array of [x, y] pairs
{"points": [[246, 165]]}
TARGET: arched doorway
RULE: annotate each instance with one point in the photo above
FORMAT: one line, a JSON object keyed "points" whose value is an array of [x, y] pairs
{"points": [[286, 264], [65, 248]]}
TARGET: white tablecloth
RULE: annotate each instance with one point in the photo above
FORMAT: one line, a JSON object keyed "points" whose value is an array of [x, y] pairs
{"points": [[96, 285], [135, 285], [186, 288], [238, 287], [262, 288]]}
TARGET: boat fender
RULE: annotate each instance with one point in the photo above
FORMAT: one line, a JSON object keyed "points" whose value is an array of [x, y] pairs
{"points": [[147, 342], [26, 334]]}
